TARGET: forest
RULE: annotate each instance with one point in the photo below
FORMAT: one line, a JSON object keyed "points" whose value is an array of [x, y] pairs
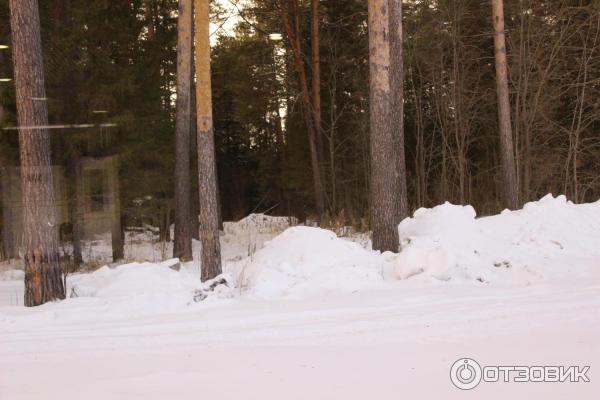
{"points": [[122, 57]]}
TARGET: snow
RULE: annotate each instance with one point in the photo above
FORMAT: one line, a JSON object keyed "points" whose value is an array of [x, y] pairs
{"points": [[147, 287], [312, 315], [302, 261], [548, 239], [12, 275]]}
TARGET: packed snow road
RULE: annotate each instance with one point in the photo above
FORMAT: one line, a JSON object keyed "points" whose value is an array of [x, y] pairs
{"points": [[385, 344]]}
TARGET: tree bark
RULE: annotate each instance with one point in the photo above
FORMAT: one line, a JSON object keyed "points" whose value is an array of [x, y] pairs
{"points": [[43, 274], [9, 241], [209, 213], [316, 75], [195, 208], [77, 211], [114, 195], [182, 246], [397, 103], [384, 183], [506, 141], [2, 112]]}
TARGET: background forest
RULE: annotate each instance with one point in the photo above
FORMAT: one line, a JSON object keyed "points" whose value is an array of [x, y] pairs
{"points": [[113, 63]]}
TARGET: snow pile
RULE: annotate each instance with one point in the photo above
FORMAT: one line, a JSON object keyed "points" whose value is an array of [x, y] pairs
{"points": [[258, 224], [306, 260], [550, 238], [245, 237], [148, 286]]}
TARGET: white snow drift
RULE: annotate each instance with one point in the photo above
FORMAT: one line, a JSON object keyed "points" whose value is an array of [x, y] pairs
{"points": [[548, 239]]}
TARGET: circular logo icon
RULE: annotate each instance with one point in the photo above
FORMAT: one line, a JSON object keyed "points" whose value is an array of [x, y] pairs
{"points": [[465, 373]]}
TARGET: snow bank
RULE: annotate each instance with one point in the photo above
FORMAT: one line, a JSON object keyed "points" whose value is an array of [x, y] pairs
{"points": [[550, 238], [243, 238], [258, 224], [308, 260], [140, 285]]}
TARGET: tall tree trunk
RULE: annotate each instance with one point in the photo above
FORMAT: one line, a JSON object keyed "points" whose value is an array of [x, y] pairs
{"points": [[43, 274], [2, 112], [293, 33], [114, 195], [9, 241], [384, 182], [316, 75], [397, 103], [77, 210], [506, 141], [182, 247], [7, 231], [209, 213], [195, 208]]}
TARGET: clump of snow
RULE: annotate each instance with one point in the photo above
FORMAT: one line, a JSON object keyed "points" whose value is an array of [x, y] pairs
{"points": [[245, 237], [307, 260], [142, 285], [550, 238], [258, 224]]}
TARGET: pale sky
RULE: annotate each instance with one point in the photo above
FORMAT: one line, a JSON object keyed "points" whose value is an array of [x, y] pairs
{"points": [[232, 18]]}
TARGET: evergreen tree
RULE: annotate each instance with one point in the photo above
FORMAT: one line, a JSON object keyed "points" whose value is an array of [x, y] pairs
{"points": [[182, 246], [209, 214], [43, 274], [384, 183]]}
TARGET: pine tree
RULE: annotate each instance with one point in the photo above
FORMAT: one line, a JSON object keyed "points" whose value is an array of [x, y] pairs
{"points": [[43, 274], [510, 189], [315, 44], [397, 103], [384, 184], [209, 213], [182, 246]]}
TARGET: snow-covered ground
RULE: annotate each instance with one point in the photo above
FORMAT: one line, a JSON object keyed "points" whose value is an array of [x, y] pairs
{"points": [[308, 315]]}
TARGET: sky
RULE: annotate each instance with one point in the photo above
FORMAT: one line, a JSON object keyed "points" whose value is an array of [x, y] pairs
{"points": [[232, 18]]}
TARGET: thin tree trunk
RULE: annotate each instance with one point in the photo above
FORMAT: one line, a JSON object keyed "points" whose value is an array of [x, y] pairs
{"points": [[506, 141], [2, 112], [195, 208], [316, 75], [114, 195], [182, 246], [43, 274], [397, 103], [293, 33], [9, 241], [77, 213], [209, 213], [384, 182], [6, 243]]}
